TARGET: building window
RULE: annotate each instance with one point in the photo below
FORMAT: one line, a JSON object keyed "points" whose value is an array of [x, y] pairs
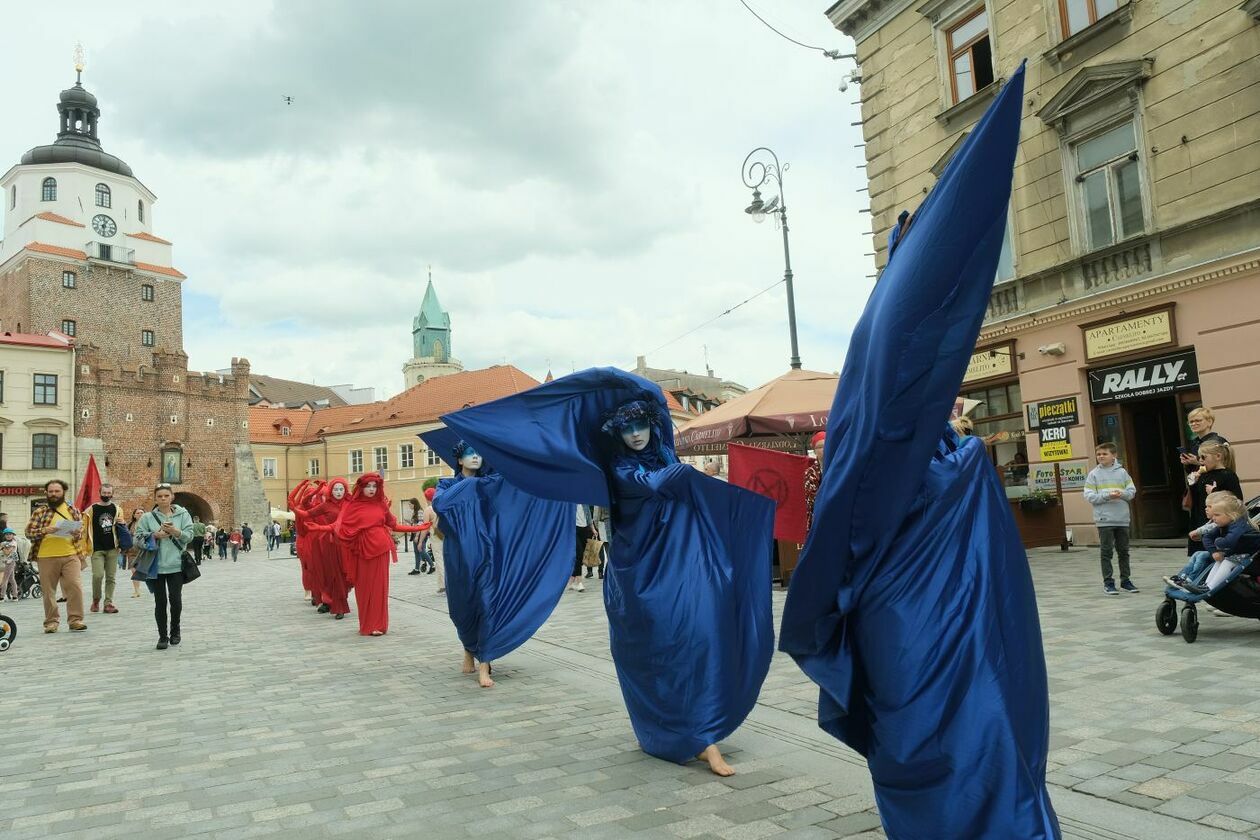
{"points": [[1006, 259], [13, 197], [356, 460], [68, 327], [1081, 14], [146, 338], [45, 389], [50, 190], [102, 196], [285, 431], [1, 452], [431, 458], [1109, 186], [146, 292], [43, 452], [380, 459], [312, 467], [406, 456], [69, 280], [140, 210], [1, 387], [999, 422], [269, 468], [970, 55]]}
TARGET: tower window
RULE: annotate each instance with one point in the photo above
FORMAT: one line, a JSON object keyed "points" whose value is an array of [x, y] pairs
{"points": [[68, 327], [146, 292], [102, 196], [146, 338], [140, 210], [50, 189], [69, 279]]}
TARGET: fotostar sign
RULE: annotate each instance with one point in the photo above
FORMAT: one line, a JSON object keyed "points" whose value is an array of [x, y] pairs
{"points": [[1147, 378]]}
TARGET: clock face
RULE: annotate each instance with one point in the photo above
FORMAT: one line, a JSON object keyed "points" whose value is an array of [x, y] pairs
{"points": [[104, 225]]}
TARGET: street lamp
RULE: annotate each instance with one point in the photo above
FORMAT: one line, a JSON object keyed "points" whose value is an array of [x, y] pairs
{"points": [[755, 174]]}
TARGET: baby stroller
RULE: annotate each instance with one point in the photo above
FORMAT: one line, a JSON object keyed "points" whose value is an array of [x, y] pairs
{"points": [[1239, 595], [27, 580], [8, 632]]}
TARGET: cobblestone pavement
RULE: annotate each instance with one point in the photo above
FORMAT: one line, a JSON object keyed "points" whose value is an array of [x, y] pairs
{"points": [[271, 720]]}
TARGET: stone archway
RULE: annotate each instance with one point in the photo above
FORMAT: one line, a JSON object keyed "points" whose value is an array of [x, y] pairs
{"points": [[195, 505]]}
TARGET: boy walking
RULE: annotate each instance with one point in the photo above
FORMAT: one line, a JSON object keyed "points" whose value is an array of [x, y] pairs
{"points": [[1109, 488]]}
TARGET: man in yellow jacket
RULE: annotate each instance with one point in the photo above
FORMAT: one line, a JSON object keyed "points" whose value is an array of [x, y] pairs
{"points": [[59, 546]]}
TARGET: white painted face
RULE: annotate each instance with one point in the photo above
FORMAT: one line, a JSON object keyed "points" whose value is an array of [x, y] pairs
{"points": [[369, 490], [637, 435], [470, 461], [339, 491]]}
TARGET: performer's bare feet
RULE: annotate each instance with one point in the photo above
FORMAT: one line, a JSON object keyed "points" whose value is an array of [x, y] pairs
{"points": [[469, 665], [483, 675], [378, 632], [717, 764]]}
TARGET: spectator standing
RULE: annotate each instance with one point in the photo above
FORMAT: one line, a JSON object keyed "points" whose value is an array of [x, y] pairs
{"points": [[171, 528], [59, 546], [813, 475], [10, 556], [1109, 489], [132, 523], [221, 540], [205, 547], [1215, 472], [584, 532], [106, 518]]}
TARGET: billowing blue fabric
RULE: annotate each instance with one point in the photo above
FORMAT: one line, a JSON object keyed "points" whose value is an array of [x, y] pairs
{"points": [[687, 586], [912, 605], [507, 558]]}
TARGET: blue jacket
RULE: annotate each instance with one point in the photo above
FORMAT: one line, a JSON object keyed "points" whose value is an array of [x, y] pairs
{"points": [[1239, 537]]}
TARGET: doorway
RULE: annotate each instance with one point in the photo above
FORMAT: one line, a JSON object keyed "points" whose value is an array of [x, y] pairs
{"points": [[195, 505], [1151, 434]]}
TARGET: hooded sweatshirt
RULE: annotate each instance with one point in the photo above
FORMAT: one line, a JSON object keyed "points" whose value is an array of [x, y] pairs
{"points": [[1109, 512]]}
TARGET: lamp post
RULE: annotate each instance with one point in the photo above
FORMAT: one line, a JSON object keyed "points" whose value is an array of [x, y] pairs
{"points": [[756, 173]]}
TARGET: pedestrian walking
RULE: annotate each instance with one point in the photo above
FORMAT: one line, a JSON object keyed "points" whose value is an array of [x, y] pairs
{"points": [[1109, 489], [205, 546], [10, 556], [221, 540], [247, 537], [235, 541], [171, 528], [59, 546], [584, 533], [106, 519], [132, 522], [199, 538]]}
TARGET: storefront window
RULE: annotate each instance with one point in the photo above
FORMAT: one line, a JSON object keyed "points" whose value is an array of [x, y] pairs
{"points": [[999, 422]]}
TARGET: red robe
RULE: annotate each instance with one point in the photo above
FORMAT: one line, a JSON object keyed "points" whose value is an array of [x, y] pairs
{"points": [[309, 498], [326, 563]]}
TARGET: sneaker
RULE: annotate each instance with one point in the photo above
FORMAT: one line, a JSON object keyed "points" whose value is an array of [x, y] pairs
{"points": [[1127, 586], [50, 628], [78, 627], [162, 644], [174, 639], [414, 572], [1109, 588], [1195, 588], [96, 605], [580, 587]]}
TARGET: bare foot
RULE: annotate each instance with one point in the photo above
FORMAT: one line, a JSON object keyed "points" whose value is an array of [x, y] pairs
{"points": [[716, 763], [483, 676], [378, 633], [469, 665]]}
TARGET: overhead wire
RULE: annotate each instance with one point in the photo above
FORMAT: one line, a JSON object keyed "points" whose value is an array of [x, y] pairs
{"points": [[771, 27], [716, 317]]}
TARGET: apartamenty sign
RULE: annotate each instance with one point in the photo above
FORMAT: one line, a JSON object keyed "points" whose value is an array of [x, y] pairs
{"points": [[1147, 378], [1153, 328]]}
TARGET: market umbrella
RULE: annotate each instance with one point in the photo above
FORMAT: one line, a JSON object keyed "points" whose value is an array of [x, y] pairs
{"points": [[794, 403]]}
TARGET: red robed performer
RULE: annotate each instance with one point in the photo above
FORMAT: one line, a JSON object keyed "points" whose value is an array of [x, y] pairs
{"points": [[363, 527], [310, 498], [326, 562], [299, 530], [778, 475]]}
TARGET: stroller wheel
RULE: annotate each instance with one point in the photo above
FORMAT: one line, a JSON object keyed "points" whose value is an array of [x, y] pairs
{"points": [[1166, 617], [8, 632], [1189, 624], [35, 591]]}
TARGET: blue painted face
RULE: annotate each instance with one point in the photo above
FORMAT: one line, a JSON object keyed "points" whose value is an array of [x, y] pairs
{"points": [[470, 460], [636, 435]]}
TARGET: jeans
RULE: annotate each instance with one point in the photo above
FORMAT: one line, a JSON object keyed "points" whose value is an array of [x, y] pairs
{"points": [[222, 551], [104, 569], [1198, 564], [1117, 538], [167, 589]]}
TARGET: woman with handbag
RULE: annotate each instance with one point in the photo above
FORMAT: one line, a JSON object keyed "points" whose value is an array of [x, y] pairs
{"points": [[129, 558], [164, 533]]}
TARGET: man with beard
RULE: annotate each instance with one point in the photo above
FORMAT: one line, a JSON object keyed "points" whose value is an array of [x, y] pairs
{"points": [[105, 517], [59, 546]]}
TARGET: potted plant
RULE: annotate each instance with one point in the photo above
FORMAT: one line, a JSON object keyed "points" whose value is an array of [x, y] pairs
{"points": [[1038, 500]]}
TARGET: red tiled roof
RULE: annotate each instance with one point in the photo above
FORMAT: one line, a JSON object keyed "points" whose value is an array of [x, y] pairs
{"points": [[31, 340], [148, 237], [40, 247], [161, 269], [264, 424], [53, 217]]}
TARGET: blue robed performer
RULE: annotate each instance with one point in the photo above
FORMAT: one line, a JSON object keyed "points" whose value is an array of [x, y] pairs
{"points": [[912, 605], [507, 555], [687, 588]]}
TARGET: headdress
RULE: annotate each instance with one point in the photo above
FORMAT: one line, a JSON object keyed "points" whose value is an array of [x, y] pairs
{"points": [[635, 411], [460, 448]]}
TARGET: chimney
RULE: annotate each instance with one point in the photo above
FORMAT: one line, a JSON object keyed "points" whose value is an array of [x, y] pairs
{"points": [[640, 363]]}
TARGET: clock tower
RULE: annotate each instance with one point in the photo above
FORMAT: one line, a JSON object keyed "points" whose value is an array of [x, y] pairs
{"points": [[430, 342]]}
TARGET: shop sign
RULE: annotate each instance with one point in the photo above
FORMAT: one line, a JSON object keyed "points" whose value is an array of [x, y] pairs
{"points": [[1071, 475], [990, 363], [1056, 450], [1153, 328], [778, 444], [22, 490], [1147, 378], [1052, 413]]}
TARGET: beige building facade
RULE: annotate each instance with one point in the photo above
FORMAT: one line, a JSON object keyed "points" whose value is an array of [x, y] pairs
{"points": [[37, 442], [1129, 285]]}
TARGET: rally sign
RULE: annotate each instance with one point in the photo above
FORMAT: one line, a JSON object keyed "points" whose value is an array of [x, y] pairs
{"points": [[1148, 378]]}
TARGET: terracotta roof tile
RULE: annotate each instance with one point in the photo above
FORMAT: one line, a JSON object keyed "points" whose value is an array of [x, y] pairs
{"points": [[161, 269], [265, 423], [40, 247], [30, 340], [148, 237], [54, 217]]}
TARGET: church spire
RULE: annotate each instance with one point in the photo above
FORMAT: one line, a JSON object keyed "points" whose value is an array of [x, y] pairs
{"points": [[431, 328]]}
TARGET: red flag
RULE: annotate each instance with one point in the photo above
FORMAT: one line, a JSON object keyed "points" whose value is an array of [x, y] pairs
{"points": [[90, 486], [778, 475]]}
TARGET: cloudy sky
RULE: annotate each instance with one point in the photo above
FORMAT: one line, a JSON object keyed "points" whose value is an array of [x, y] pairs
{"points": [[570, 170]]}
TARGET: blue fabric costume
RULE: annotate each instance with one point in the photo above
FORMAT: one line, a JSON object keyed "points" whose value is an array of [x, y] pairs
{"points": [[923, 633], [507, 556], [687, 585]]}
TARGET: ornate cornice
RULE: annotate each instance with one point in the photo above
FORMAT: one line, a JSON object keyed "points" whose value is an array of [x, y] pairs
{"points": [[859, 19]]}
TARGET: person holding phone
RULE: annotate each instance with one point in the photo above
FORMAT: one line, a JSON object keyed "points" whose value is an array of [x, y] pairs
{"points": [[171, 527]]}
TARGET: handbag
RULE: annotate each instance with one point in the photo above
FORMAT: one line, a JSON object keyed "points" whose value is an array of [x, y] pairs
{"points": [[188, 566], [591, 554]]}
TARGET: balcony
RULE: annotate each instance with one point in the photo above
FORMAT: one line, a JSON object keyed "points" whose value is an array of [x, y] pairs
{"points": [[110, 253]]}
